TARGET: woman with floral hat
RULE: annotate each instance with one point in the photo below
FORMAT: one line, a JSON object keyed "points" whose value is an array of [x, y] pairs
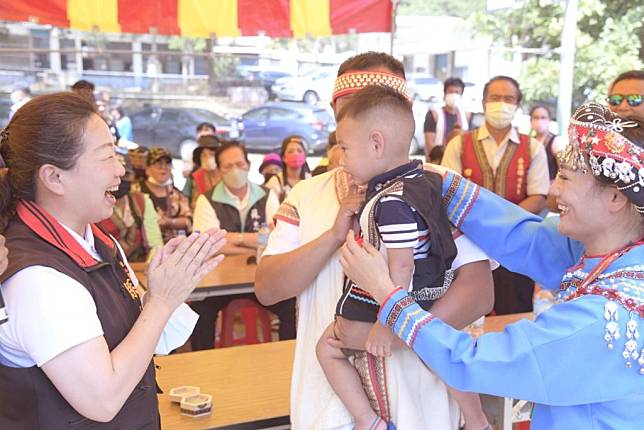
{"points": [[581, 361]]}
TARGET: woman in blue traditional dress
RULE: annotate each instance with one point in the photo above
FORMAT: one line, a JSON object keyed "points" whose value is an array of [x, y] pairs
{"points": [[582, 361]]}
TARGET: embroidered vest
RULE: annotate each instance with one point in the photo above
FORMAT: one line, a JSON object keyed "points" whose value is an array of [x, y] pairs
{"points": [[230, 218], [200, 181], [28, 399], [133, 238], [432, 276], [511, 179]]}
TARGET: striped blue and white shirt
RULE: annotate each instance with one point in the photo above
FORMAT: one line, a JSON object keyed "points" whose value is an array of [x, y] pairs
{"points": [[400, 225]]}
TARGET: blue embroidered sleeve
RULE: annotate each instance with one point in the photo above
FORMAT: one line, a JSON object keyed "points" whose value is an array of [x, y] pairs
{"points": [[521, 241], [543, 361]]}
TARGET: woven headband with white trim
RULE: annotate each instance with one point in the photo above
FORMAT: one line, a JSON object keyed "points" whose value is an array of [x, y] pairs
{"points": [[352, 82]]}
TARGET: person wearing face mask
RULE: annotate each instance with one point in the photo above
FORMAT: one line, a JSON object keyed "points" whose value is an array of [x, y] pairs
{"points": [[511, 165], [18, 98], [204, 175], [172, 207], [540, 129], [240, 207], [441, 120], [271, 165], [293, 153], [134, 223]]}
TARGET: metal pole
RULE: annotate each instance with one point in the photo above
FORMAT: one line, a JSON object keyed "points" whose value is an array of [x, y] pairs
{"points": [[394, 9], [566, 71]]}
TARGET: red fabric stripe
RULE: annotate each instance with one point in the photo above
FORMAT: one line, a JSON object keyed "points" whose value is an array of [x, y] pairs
{"points": [[360, 15], [423, 323], [394, 291], [357, 291], [52, 12], [98, 234], [286, 220], [139, 16], [41, 223], [273, 17]]}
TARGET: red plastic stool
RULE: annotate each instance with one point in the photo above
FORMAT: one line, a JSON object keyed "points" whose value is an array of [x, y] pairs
{"points": [[251, 313]]}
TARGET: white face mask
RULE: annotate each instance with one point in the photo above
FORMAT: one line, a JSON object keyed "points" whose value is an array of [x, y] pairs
{"points": [[211, 164], [236, 178], [452, 99], [499, 114], [15, 97]]}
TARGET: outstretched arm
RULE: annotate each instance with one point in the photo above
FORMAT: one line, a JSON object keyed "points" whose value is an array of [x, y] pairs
{"points": [[521, 241]]}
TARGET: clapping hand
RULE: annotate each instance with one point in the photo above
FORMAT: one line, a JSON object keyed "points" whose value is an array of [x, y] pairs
{"points": [[177, 268]]}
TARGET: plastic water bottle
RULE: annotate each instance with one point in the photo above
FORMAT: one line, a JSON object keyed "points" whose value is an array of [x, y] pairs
{"points": [[262, 240]]}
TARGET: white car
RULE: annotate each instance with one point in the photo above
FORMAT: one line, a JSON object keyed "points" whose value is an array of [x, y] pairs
{"points": [[421, 86], [308, 88]]}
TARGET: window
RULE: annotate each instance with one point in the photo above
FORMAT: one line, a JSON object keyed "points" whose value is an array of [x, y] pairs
{"points": [[169, 116], [257, 114], [284, 114]]}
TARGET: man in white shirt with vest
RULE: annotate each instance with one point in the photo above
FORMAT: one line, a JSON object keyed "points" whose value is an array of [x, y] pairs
{"points": [[511, 165], [302, 261], [441, 120]]}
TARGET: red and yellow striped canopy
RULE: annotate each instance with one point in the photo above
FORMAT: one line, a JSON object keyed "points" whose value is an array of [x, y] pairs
{"points": [[201, 18]]}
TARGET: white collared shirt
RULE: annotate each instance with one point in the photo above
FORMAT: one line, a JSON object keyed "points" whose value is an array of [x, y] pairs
{"points": [[538, 178], [205, 217], [39, 297]]}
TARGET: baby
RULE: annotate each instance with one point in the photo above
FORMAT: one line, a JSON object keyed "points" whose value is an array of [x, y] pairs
{"points": [[404, 218]]}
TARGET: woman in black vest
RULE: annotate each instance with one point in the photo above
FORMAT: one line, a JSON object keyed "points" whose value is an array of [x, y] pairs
{"points": [[77, 349]]}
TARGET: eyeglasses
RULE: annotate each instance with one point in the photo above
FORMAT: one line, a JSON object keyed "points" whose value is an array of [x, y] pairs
{"points": [[633, 100]]}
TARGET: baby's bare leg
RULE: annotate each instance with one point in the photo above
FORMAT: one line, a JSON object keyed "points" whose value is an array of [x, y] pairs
{"points": [[343, 377], [470, 404]]}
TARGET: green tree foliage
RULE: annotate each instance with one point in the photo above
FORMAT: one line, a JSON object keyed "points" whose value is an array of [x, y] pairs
{"points": [[609, 41], [462, 8]]}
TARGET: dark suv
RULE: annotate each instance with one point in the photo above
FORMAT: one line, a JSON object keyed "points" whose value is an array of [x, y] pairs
{"points": [[174, 128], [266, 126]]}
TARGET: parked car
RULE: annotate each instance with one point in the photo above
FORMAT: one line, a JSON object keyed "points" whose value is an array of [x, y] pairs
{"points": [[266, 77], [308, 88], [424, 87], [174, 128], [267, 125]]}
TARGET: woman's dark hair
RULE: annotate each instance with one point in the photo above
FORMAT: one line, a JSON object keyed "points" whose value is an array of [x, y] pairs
{"points": [[540, 106], [295, 138], [46, 130]]}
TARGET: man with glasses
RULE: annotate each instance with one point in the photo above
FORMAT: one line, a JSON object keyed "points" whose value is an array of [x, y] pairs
{"points": [[511, 165], [626, 94]]}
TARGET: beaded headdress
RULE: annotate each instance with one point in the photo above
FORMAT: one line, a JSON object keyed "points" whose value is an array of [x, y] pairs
{"points": [[352, 82], [597, 145]]}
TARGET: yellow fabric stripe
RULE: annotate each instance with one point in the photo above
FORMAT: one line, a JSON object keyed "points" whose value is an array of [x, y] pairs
{"points": [[464, 194], [200, 18], [310, 17], [93, 14], [408, 318]]}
